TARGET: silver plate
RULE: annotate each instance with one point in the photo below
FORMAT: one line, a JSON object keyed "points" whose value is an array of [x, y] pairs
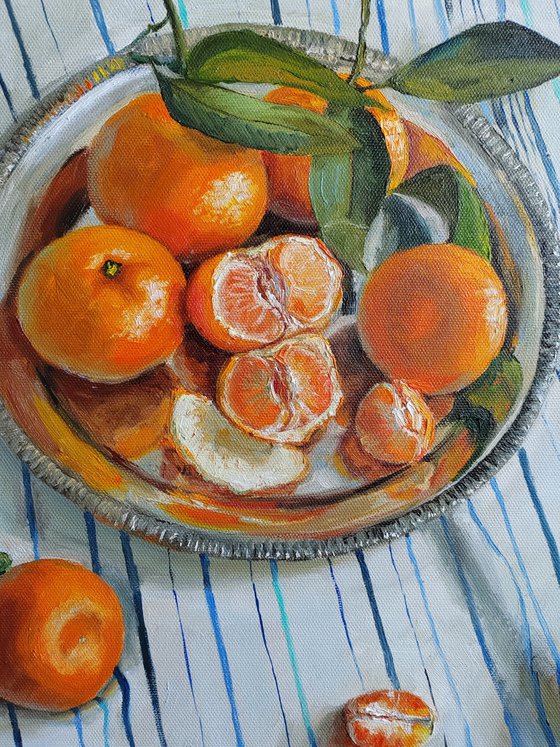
{"points": [[465, 121]]}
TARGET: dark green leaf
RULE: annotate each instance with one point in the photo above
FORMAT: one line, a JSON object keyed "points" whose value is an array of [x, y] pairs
{"points": [[498, 388], [5, 562], [347, 189], [486, 61], [237, 118], [244, 56], [458, 202]]}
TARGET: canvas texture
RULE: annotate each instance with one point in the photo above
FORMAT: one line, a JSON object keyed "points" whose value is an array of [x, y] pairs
{"points": [[464, 612]]}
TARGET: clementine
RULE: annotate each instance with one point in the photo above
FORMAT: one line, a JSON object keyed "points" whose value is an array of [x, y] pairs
{"points": [[283, 393], [434, 316], [388, 718], [194, 194], [61, 634], [103, 302], [426, 150], [249, 298], [394, 424], [288, 176]]}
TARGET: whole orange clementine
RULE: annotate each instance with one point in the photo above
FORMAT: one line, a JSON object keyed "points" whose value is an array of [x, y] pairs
{"points": [[103, 302], [288, 176], [61, 634], [434, 316], [195, 194]]}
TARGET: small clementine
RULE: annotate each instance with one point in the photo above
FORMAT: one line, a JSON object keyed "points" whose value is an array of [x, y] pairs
{"points": [[103, 302], [61, 634], [434, 316], [194, 194]]}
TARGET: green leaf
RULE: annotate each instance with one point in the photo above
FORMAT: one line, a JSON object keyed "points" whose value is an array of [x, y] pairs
{"points": [[498, 388], [457, 201], [244, 56], [5, 562], [347, 189], [237, 118], [486, 61]]}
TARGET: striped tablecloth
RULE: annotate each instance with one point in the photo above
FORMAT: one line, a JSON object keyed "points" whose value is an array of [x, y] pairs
{"points": [[465, 612]]}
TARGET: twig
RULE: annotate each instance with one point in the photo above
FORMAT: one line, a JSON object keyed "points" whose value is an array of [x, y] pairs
{"points": [[361, 51]]}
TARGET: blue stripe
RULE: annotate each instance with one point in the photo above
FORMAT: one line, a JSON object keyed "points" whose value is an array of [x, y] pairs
{"points": [[418, 648], [343, 618], [525, 630], [122, 681], [125, 708], [30, 509], [413, 25], [308, 8], [517, 127], [29, 72], [276, 15], [449, 9], [523, 569], [101, 25], [8, 97], [336, 17], [152, 19], [387, 653], [134, 581], [79, 727], [105, 709], [382, 20], [292, 653], [50, 28], [541, 147], [443, 23], [183, 13], [511, 721], [501, 9], [437, 642], [265, 643], [220, 645], [545, 526], [184, 644], [16, 731]]}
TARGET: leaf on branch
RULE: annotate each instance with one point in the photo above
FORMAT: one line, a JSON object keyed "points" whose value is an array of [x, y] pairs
{"points": [[247, 57], [486, 61], [248, 121]]}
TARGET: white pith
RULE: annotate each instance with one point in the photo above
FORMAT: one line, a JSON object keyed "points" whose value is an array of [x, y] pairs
{"points": [[273, 291], [290, 434], [227, 456]]}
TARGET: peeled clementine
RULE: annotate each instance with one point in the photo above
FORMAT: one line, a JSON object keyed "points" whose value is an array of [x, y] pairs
{"points": [[249, 298], [288, 176], [194, 194], [103, 302], [61, 634], [283, 393], [434, 316]]}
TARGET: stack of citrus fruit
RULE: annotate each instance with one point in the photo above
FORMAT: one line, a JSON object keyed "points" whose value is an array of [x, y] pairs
{"points": [[111, 303]]}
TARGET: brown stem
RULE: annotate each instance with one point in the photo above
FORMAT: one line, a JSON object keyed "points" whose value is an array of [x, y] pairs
{"points": [[180, 43], [111, 268], [361, 51]]}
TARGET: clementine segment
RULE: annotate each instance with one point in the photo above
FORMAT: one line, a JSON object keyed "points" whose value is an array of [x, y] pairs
{"points": [[61, 634], [283, 393], [103, 302], [288, 176], [246, 299], [394, 424], [388, 718], [434, 316], [194, 194]]}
